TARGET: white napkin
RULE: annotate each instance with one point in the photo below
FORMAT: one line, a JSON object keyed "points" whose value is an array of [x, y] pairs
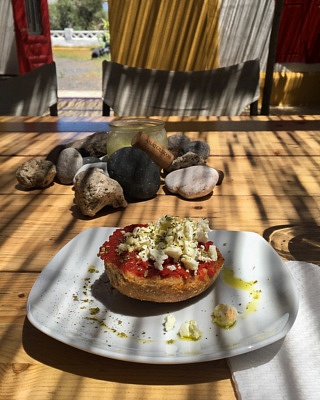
{"points": [[288, 369]]}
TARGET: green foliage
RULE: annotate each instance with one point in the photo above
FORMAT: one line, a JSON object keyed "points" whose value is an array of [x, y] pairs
{"points": [[105, 37], [77, 14]]}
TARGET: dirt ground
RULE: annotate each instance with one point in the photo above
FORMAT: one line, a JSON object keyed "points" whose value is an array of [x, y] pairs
{"points": [[78, 71]]}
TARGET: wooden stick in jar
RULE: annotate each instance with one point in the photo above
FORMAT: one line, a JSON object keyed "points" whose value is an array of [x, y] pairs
{"points": [[159, 154]]}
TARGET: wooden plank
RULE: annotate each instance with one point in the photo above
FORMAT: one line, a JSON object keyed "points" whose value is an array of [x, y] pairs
{"points": [[109, 380], [14, 291], [225, 143], [173, 124], [33, 144], [276, 174], [24, 359], [53, 124], [60, 220], [271, 187], [65, 372]]}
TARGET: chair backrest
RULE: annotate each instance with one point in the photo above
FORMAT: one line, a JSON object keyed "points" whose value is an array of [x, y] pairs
{"points": [[31, 94], [145, 92]]}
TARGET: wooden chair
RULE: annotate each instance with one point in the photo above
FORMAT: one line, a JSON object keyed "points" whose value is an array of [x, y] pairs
{"points": [[145, 92], [31, 94]]}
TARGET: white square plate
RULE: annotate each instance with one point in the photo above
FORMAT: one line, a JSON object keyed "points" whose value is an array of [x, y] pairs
{"points": [[73, 302]]}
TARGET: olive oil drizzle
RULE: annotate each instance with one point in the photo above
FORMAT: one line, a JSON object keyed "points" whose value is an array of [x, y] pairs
{"points": [[237, 283]]}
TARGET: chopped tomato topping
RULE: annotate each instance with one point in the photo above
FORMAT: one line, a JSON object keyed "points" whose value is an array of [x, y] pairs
{"points": [[130, 261]]}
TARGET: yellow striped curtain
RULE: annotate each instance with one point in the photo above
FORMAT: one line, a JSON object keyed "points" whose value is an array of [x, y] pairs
{"points": [[165, 34]]}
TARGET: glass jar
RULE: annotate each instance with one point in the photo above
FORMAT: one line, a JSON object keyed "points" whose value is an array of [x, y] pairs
{"points": [[122, 130]]}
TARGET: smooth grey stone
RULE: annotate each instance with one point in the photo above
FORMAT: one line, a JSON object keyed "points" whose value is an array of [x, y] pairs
{"points": [[136, 172], [93, 191], [192, 182], [198, 147], [176, 143], [36, 173], [101, 165], [69, 161], [90, 160]]}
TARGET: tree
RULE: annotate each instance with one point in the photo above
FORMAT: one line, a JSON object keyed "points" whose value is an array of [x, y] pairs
{"points": [[77, 14]]}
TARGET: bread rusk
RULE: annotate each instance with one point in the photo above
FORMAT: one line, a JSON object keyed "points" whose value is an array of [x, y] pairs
{"points": [[173, 269]]}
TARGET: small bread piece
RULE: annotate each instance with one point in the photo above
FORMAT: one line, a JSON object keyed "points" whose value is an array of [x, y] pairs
{"points": [[161, 290], [168, 261], [225, 316]]}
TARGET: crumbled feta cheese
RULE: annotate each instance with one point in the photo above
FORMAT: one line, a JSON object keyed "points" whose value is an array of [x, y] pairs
{"points": [[173, 251], [190, 330], [213, 252], [169, 322], [172, 237], [189, 262]]}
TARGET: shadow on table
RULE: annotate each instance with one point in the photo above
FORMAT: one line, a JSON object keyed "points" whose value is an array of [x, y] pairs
{"points": [[58, 355], [295, 242]]}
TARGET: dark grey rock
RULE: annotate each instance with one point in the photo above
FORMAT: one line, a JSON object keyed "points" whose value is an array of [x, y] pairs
{"points": [[69, 161], [176, 143], [136, 172], [198, 147], [90, 160], [36, 173], [94, 145]]}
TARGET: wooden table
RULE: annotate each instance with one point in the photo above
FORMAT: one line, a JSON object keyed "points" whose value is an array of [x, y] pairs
{"points": [[271, 187]]}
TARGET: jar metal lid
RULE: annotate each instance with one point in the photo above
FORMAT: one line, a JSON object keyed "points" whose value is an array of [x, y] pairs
{"points": [[136, 124]]}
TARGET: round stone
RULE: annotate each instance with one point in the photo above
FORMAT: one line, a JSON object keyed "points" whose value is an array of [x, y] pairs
{"points": [[176, 143], [192, 182], [136, 172], [69, 161]]}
